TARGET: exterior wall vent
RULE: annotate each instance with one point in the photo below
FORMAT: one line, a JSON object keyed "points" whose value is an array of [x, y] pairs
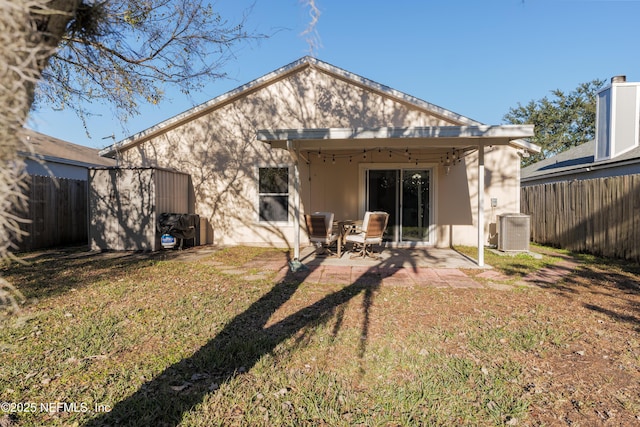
{"points": [[617, 118], [514, 232]]}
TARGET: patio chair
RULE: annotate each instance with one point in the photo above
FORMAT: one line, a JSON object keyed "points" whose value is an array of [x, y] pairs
{"points": [[320, 230], [373, 228]]}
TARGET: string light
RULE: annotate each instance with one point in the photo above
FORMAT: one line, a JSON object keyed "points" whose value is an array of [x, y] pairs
{"points": [[447, 159]]}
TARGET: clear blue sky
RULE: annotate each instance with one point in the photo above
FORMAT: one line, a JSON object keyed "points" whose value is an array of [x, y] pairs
{"points": [[477, 58]]}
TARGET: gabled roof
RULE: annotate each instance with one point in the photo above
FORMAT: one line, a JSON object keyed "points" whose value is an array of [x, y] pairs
{"points": [[574, 161], [50, 149], [278, 74]]}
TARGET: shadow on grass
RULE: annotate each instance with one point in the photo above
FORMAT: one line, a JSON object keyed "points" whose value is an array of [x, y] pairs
{"points": [[55, 272], [618, 317], [238, 347], [602, 281]]}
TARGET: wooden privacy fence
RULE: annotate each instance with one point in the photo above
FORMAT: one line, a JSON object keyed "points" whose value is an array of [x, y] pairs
{"points": [[599, 216], [57, 209]]}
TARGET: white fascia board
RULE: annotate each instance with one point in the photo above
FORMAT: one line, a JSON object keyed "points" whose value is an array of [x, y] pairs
{"points": [[274, 75], [401, 96], [506, 132], [184, 116], [526, 145]]}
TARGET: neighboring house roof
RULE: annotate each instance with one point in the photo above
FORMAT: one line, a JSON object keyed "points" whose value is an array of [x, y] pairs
{"points": [[280, 73], [579, 163], [49, 149]]}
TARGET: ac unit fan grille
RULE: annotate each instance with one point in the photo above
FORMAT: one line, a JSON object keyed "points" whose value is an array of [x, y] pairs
{"points": [[514, 231]]}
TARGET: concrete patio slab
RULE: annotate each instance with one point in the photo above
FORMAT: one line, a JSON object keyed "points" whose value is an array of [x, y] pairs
{"points": [[371, 280], [394, 257], [336, 274], [423, 274], [375, 276], [433, 267], [310, 276], [365, 271], [449, 273], [397, 277]]}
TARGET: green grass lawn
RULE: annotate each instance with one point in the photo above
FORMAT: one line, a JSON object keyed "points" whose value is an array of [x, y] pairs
{"points": [[137, 341], [516, 264]]}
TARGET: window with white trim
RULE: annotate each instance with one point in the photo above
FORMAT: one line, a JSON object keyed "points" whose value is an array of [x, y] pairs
{"points": [[273, 194]]}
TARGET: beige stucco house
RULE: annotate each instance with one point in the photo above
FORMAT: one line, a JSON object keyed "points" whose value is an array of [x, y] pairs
{"points": [[313, 137]]}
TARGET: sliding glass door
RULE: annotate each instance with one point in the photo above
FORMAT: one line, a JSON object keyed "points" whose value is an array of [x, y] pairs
{"points": [[406, 195], [382, 195], [415, 205]]}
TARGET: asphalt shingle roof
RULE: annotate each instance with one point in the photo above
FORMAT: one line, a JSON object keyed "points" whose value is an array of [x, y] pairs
{"points": [[576, 158], [49, 148]]}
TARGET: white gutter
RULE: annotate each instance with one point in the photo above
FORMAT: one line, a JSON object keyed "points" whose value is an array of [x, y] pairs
{"points": [[511, 132]]}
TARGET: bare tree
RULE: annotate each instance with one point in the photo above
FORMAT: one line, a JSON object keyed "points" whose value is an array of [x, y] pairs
{"points": [[23, 54], [70, 53], [123, 52]]}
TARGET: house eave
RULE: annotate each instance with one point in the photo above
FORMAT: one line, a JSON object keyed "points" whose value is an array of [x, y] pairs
{"points": [[526, 145], [280, 73], [428, 136], [201, 109]]}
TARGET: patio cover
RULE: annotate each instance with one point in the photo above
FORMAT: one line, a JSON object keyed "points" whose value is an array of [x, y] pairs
{"points": [[475, 137]]}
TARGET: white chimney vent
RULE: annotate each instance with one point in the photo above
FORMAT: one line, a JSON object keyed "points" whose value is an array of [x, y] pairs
{"points": [[617, 118]]}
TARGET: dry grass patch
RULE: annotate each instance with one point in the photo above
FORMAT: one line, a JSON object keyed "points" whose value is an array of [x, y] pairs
{"points": [[167, 342]]}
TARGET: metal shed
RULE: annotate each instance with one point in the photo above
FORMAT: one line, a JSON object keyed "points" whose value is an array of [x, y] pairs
{"points": [[124, 204]]}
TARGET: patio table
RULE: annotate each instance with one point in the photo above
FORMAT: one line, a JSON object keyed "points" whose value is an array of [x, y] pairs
{"points": [[345, 227]]}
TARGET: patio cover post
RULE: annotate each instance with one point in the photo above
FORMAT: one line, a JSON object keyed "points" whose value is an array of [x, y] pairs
{"points": [[481, 204], [296, 201]]}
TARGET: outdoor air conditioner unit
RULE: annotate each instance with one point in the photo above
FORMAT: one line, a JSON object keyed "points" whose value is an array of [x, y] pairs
{"points": [[513, 232]]}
